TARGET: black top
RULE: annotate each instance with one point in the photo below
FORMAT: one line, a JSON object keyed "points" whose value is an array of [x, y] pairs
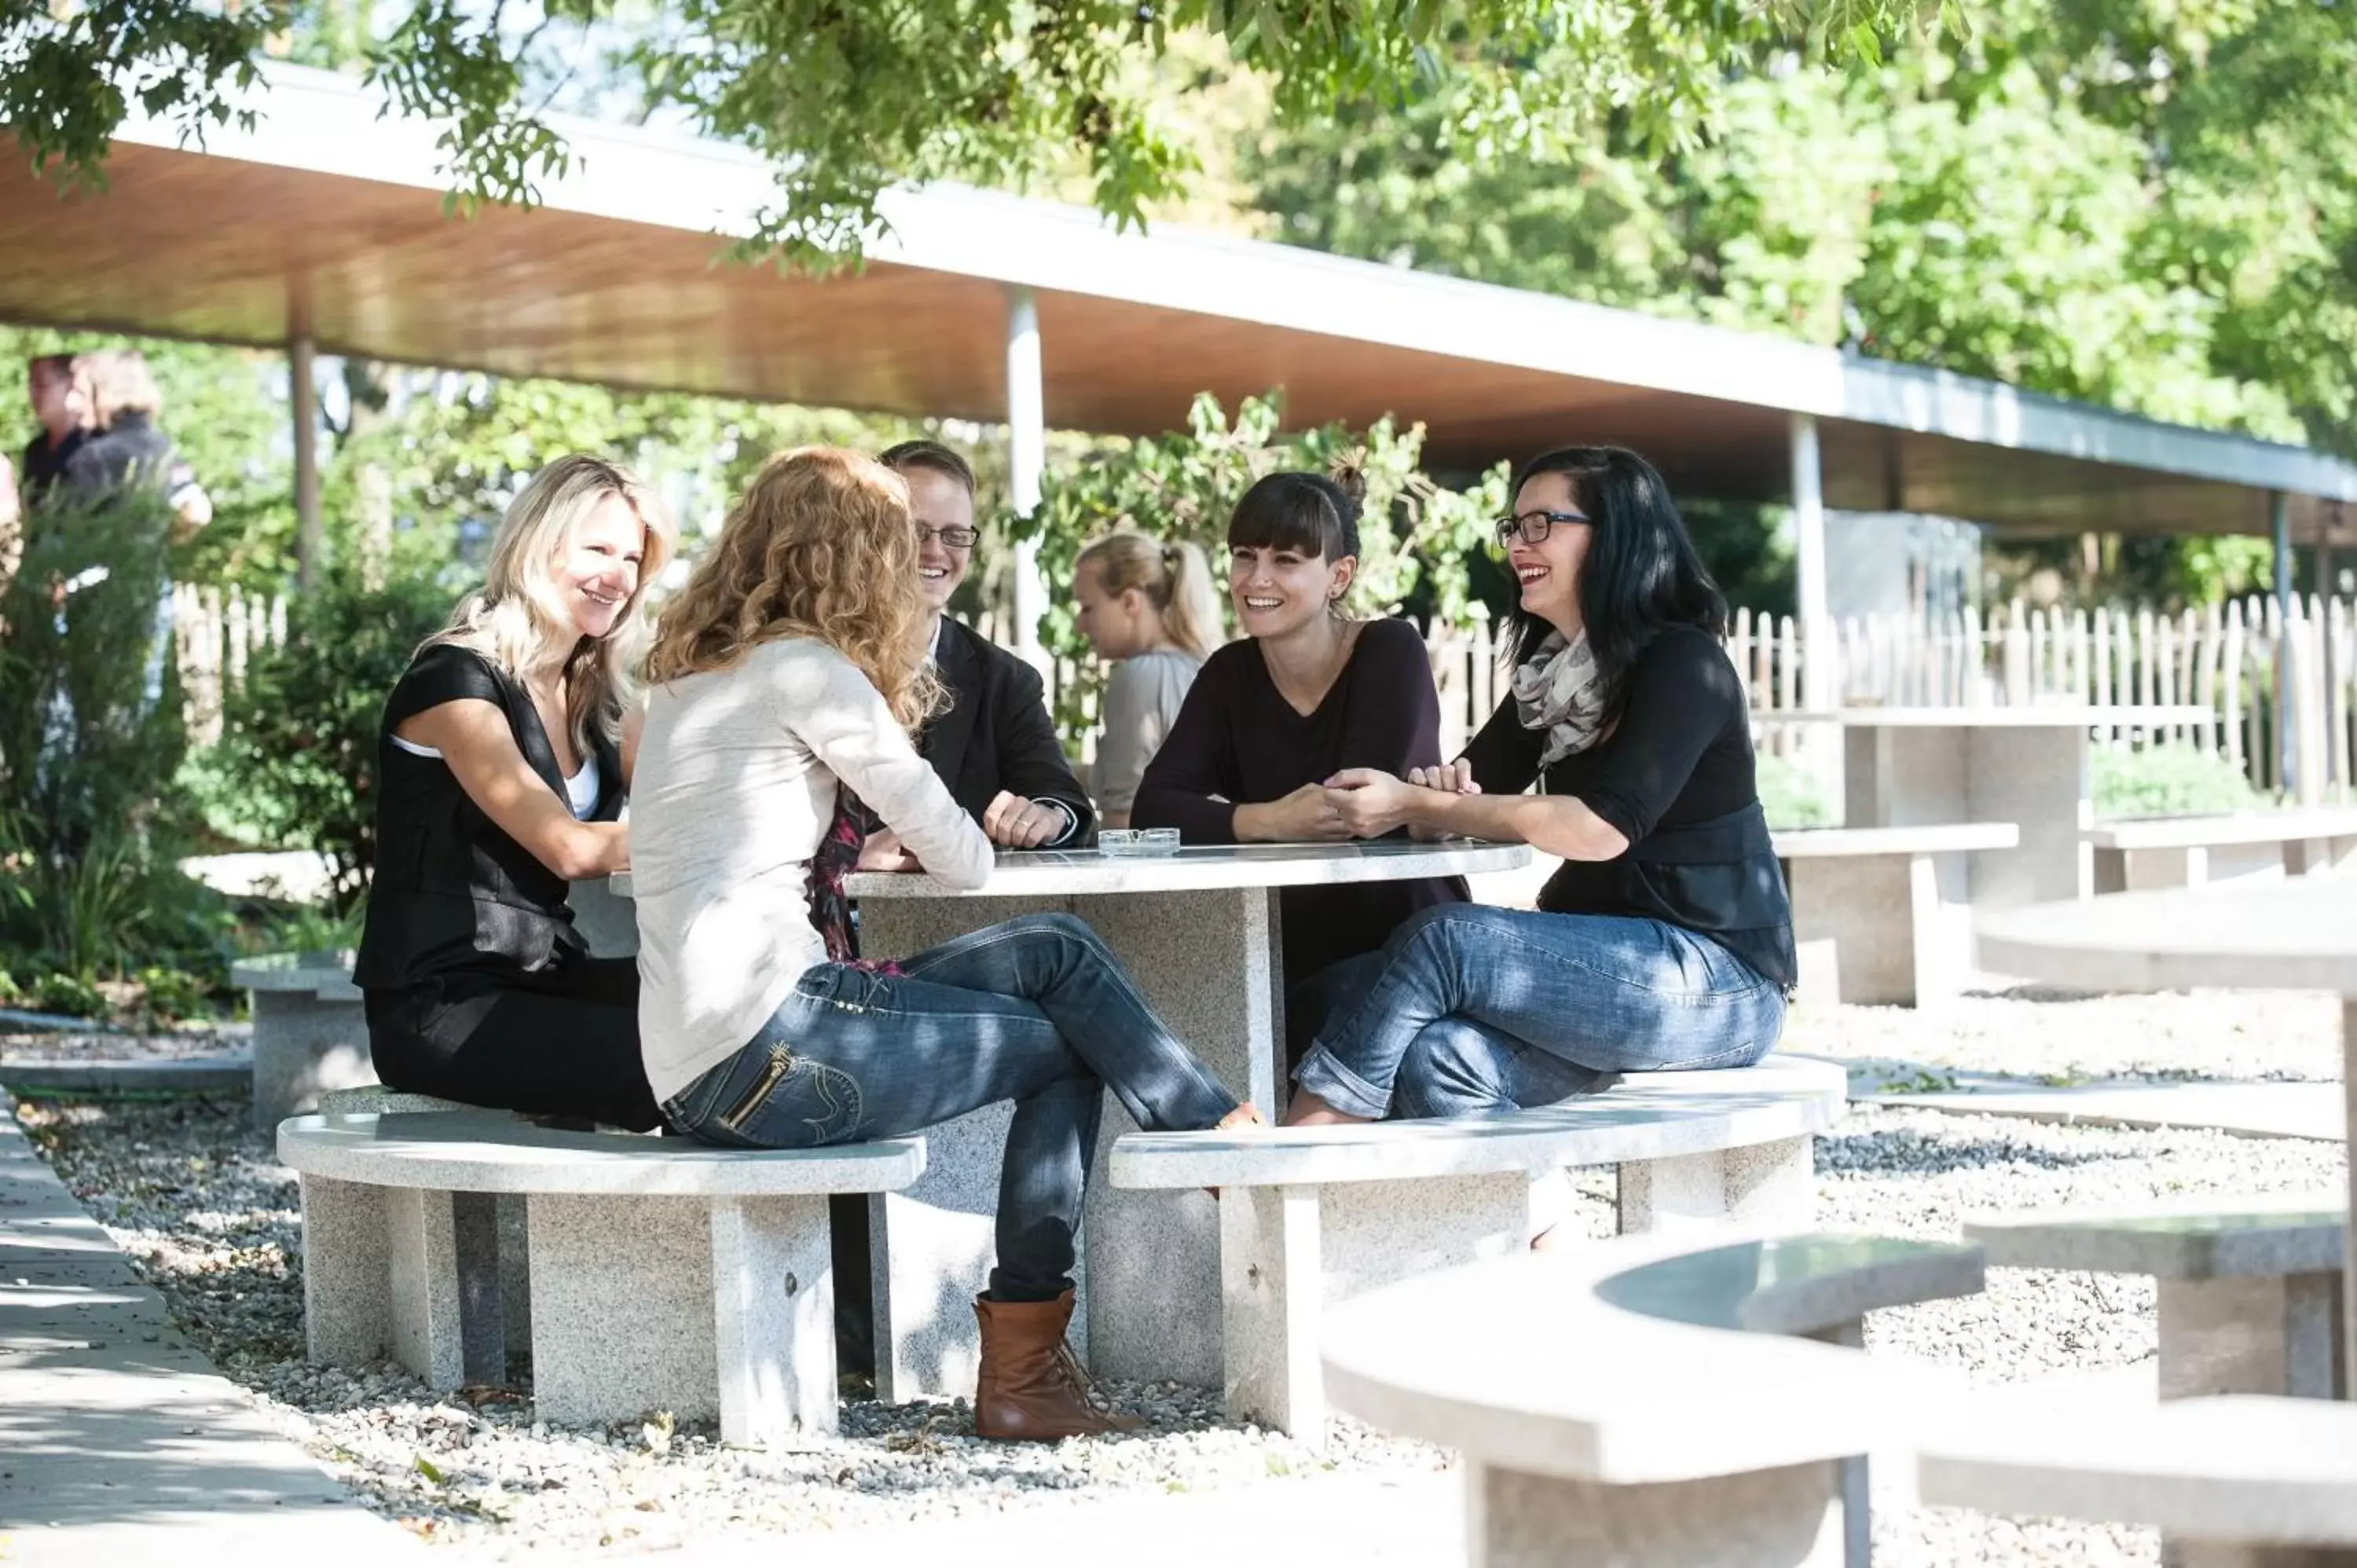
{"points": [[1238, 742], [996, 734], [1676, 771], [44, 463], [452, 891]]}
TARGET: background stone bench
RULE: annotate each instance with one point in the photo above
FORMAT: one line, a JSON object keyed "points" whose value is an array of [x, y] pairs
{"points": [[310, 1034], [2250, 1297], [1656, 1400], [2192, 852], [2242, 1481], [1312, 1216], [664, 1275], [1882, 915]]}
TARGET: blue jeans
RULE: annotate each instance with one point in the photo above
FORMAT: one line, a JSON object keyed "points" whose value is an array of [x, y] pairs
{"points": [[1035, 1010], [1484, 1009]]}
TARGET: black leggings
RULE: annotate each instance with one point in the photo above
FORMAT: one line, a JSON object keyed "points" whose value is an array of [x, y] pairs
{"points": [[563, 1042]]}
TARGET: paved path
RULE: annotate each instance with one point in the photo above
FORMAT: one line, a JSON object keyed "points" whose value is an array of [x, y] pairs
{"points": [[2251, 1110], [118, 1445]]}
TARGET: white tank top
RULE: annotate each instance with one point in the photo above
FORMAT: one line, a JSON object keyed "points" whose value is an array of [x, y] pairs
{"points": [[580, 790]]}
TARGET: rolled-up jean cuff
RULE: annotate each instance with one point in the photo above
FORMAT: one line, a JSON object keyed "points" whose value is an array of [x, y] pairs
{"points": [[1322, 1074]]}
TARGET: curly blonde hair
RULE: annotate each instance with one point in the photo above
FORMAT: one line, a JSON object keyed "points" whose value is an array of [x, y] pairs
{"points": [[820, 545]]}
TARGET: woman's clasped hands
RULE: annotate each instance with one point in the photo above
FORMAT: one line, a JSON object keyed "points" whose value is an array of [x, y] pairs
{"points": [[1371, 802]]}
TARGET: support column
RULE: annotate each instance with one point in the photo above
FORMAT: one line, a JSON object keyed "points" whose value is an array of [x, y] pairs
{"points": [[1820, 655], [2286, 653], [310, 537], [1027, 457]]}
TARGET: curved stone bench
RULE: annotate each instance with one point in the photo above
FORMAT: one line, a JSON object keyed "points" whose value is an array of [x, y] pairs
{"points": [[2250, 1296], [2241, 1481], [2194, 851], [1653, 1400], [310, 1034], [1313, 1215], [1882, 915], [666, 1275]]}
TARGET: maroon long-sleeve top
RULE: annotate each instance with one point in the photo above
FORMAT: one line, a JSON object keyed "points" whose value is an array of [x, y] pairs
{"points": [[1238, 742]]}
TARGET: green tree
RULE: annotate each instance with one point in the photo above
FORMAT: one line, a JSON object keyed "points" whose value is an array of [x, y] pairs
{"points": [[846, 101]]}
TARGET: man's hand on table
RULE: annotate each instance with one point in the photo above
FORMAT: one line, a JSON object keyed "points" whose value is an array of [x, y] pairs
{"points": [[1015, 822]]}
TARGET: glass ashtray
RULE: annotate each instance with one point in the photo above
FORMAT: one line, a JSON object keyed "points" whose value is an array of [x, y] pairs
{"points": [[1128, 842]]}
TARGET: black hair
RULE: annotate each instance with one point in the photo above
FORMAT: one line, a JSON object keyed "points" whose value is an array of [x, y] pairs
{"points": [[931, 454], [1294, 510], [1641, 573]]}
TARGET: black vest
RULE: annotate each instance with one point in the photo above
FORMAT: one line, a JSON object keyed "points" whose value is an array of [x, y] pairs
{"points": [[452, 891]]}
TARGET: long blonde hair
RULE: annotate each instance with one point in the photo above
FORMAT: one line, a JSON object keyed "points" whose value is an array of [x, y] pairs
{"points": [[820, 545], [518, 620], [1175, 579], [119, 384]]}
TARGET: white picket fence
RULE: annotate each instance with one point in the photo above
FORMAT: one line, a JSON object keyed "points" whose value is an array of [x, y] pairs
{"points": [[2244, 660], [213, 631]]}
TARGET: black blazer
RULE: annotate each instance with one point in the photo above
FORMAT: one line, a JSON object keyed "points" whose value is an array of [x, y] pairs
{"points": [[996, 734]]}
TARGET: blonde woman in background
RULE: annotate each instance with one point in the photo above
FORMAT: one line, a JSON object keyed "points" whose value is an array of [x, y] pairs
{"points": [[502, 761], [791, 673], [1150, 609], [126, 449]]}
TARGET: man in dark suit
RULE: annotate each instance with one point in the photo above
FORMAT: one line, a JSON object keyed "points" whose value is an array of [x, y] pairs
{"points": [[995, 748]]}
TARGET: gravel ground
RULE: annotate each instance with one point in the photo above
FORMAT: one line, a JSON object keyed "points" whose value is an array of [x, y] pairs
{"points": [[108, 1044], [195, 1196], [2045, 1035]]}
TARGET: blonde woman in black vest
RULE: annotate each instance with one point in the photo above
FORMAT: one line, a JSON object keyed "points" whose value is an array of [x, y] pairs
{"points": [[502, 764]]}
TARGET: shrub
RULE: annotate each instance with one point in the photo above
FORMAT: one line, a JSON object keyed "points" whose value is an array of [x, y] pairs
{"points": [[59, 993], [2167, 781], [90, 819], [296, 764], [1790, 795], [168, 995]]}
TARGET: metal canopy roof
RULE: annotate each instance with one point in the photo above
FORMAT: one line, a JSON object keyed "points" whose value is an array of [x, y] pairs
{"points": [[330, 220]]}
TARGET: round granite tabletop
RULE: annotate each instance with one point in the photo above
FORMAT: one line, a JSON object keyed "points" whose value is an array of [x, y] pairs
{"points": [[1050, 872], [2295, 935]]}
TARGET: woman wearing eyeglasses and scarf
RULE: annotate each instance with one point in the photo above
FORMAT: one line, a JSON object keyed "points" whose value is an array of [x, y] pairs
{"points": [[1665, 940]]}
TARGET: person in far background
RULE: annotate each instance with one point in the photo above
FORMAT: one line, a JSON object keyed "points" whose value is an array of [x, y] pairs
{"points": [[995, 748], [1150, 609], [61, 401], [125, 447], [1311, 692]]}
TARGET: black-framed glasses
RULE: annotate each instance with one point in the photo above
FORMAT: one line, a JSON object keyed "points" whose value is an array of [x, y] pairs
{"points": [[1532, 526], [951, 538]]}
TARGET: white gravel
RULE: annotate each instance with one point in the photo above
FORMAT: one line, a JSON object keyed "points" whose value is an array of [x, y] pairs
{"points": [[2043, 1035], [193, 1194]]}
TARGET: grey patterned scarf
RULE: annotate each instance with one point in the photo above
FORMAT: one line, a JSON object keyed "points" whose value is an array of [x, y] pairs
{"points": [[1560, 690]]}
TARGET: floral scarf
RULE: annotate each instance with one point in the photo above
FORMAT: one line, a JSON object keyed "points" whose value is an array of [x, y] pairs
{"points": [[836, 856], [1560, 691]]}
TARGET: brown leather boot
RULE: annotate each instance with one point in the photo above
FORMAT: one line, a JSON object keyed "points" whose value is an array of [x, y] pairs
{"points": [[1032, 1388]]}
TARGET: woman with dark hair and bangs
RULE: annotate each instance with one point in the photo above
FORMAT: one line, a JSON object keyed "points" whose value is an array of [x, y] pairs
{"points": [[1307, 693], [1665, 940]]}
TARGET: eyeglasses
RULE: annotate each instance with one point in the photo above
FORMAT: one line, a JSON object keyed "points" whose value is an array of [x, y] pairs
{"points": [[1534, 526], [952, 537]]}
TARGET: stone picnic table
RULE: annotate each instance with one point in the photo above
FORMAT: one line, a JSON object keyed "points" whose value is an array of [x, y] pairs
{"points": [[2026, 765], [1199, 931], [2299, 935]]}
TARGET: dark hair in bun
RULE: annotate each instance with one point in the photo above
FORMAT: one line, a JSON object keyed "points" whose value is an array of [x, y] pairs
{"points": [[1294, 510]]}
